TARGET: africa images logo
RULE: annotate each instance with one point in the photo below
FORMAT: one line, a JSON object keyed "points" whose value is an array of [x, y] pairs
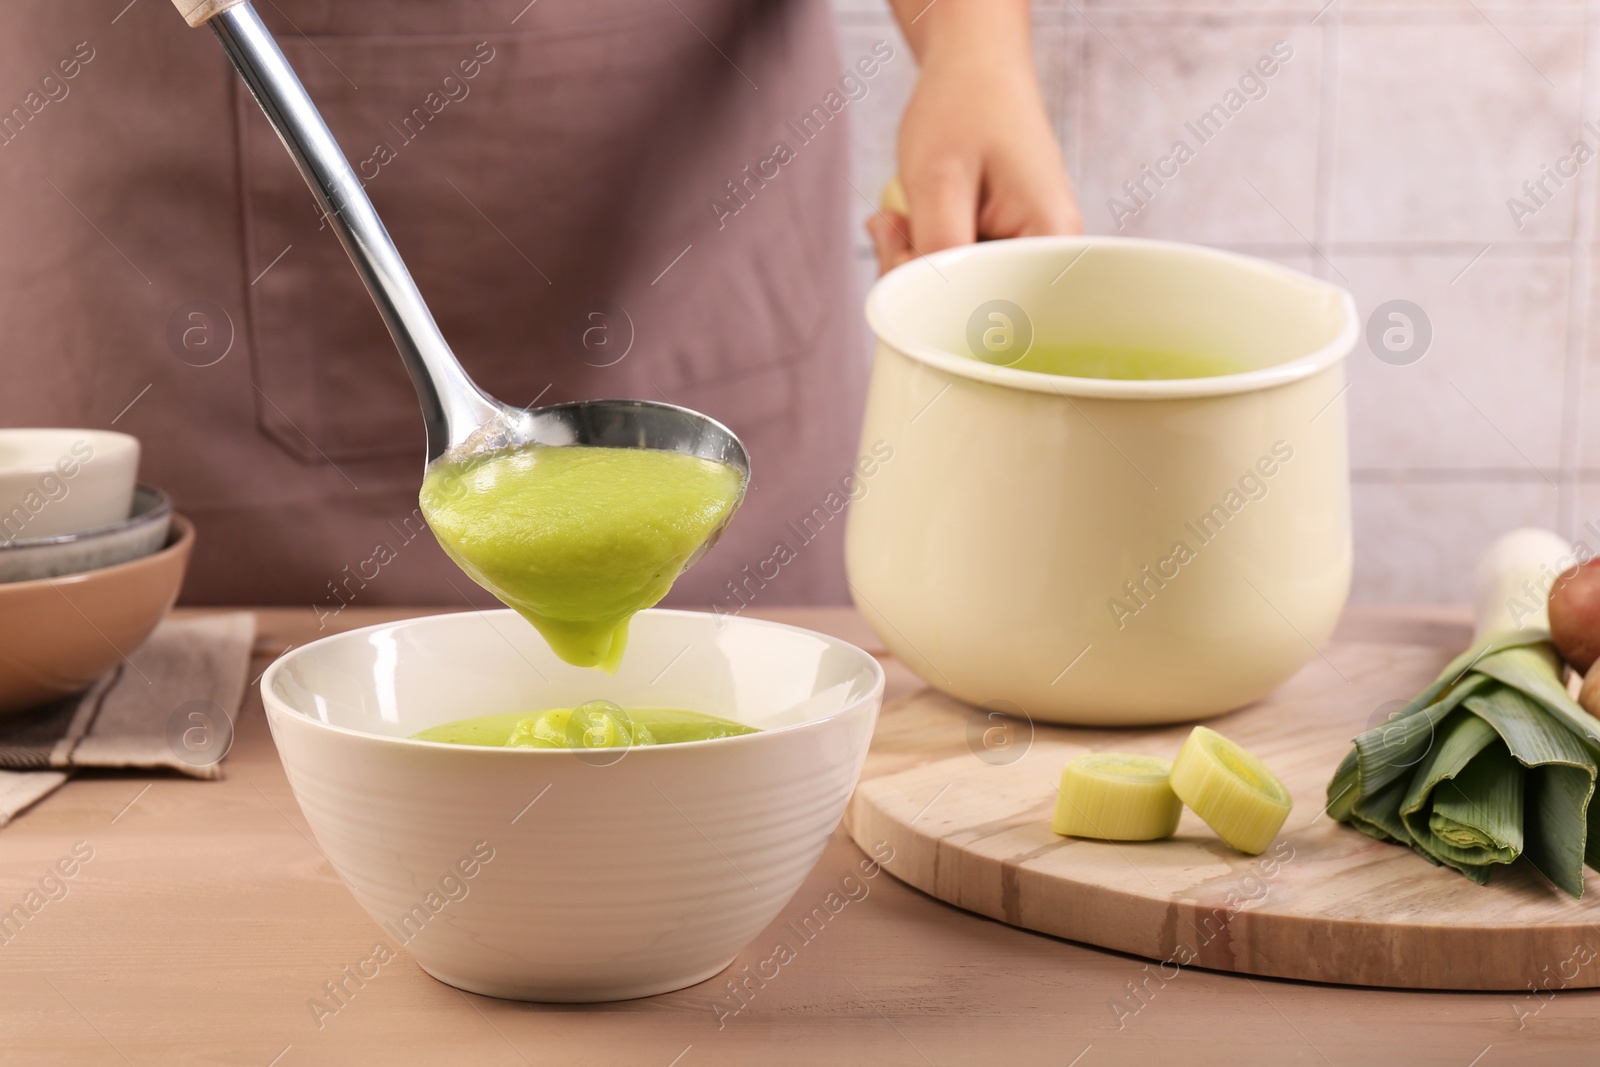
{"points": [[1253, 485]]}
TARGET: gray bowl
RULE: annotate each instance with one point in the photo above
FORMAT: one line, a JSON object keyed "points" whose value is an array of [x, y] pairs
{"points": [[141, 533]]}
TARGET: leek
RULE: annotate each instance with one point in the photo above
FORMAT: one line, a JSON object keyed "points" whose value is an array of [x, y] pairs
{"points": [[1232, 790], [1116, 798], [1494, 761]]}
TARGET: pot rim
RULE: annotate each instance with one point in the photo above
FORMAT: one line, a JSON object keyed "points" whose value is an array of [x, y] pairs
{"points": [[899, 280]]}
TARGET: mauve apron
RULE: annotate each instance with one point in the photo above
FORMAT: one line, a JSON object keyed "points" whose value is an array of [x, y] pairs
{"points": [[549, 173]]}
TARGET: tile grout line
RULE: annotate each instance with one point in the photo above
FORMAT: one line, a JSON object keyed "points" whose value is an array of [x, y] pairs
{"points": [[1578, 297], [1402, 475], [1415, 249], [1190, 15], [1080, 75], [1061, 109], [1327, 135]]}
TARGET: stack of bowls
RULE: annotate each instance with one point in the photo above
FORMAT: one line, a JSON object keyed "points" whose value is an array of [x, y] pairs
{"points": [[90, 561]]}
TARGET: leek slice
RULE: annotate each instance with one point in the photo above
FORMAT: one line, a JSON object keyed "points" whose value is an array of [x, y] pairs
{"points": [[1231, 790], [1116, 797]]}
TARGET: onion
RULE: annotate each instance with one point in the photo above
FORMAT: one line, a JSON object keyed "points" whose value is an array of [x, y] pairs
{"points": [[1575, 615]]}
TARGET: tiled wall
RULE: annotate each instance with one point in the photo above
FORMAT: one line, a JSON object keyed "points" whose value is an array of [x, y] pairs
{"points": [[1381, 158]]}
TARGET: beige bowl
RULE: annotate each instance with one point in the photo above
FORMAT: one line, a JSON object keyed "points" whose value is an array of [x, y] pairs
{"points": [[57, 635], [1099, 551]]}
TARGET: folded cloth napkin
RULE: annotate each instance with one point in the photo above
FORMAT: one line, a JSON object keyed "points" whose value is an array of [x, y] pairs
{"points": [[171, 703]]}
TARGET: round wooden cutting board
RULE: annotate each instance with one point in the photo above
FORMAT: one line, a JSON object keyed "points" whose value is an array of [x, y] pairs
{"points": [[1324, 903]]}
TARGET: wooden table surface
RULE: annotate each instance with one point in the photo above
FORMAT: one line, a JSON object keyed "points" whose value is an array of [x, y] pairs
{"points": [[206, 920]]}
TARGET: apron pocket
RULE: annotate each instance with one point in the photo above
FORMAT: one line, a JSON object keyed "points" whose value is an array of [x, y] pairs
{"points": [[528, 180]]}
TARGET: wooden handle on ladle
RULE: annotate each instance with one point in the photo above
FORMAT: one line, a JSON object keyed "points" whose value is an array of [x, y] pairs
{"points": [[199, 12]]}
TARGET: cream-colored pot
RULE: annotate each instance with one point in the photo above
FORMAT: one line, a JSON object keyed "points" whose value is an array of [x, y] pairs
{"points": [[1100, 551]]}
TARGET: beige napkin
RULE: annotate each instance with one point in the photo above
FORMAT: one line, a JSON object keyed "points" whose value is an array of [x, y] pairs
{"points": [[171, 703]]}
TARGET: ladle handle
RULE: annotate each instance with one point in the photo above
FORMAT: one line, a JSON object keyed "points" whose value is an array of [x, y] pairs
{"points": [[200, 12], [452, 406]]}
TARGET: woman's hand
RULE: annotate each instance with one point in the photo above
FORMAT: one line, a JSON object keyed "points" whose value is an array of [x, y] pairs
{"points": [[977, 156]]}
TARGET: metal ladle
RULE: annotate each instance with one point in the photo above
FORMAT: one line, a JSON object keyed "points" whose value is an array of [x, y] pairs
{"points": [[462, 421]]}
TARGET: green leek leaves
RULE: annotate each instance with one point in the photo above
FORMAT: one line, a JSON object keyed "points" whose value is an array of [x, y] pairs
{"points": [[1492, 761]]}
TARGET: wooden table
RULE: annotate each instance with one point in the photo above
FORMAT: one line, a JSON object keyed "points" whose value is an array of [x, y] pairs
{"points": [[206, 920]]}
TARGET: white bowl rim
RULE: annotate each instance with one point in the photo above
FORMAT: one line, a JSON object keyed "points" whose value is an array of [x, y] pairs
{"points": [[880, 319], [160, 509], [268, 697]]}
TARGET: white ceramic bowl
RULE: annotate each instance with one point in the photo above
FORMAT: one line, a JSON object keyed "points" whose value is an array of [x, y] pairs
{"points": [[57, 481], [572, 875], [1016, 536], [139, 533]]}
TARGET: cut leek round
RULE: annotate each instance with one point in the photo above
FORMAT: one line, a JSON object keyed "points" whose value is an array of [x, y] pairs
{"points": [[1231, 790], [1116, 798]]}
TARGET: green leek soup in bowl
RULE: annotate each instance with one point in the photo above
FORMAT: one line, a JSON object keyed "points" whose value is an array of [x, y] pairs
{"points": [[596, 873]]}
